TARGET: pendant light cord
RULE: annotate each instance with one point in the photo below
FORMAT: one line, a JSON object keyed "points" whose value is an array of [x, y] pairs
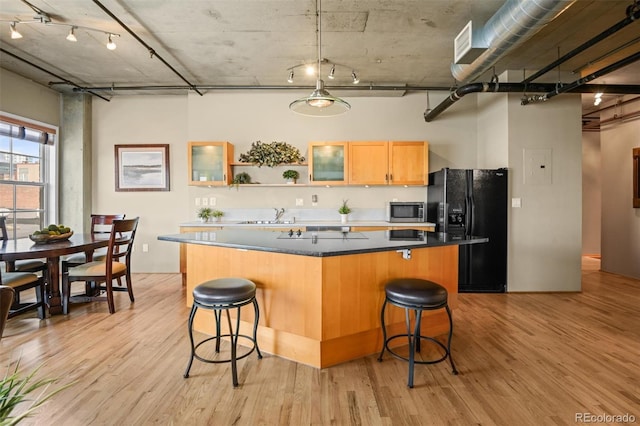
{"points": [[319, 31]]}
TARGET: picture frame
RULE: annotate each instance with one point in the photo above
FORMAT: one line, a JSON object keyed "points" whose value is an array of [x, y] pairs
{"points": [[143, 167]]}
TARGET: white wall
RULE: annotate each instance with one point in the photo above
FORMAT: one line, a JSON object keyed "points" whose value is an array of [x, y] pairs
{"points": [[27, 99], [620, 221], [591, 193], [546, 232], [143, 120]]}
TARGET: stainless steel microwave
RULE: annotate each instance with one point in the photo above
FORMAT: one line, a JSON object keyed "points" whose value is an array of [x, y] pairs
{"points": [[405, 211]]}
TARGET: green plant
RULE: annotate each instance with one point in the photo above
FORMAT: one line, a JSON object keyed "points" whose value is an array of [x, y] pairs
{"points": [[205, 213], [291, 174], [217, 213], [271, 154], [344, 208], [241, 178], [15, 390]]}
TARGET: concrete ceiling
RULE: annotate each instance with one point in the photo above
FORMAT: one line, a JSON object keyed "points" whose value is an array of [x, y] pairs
{"points": [[255, 43]]}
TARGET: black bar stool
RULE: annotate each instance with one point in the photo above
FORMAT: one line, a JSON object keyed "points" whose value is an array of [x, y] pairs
{"points": [[417, 295], [219, 295]]}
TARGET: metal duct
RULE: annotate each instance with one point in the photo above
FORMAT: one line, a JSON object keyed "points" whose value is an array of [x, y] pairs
{"points": [[511, 25]]}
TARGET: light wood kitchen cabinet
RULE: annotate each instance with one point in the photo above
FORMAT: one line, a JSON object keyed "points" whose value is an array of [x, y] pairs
{"points": [[209, 163], [369, 163], [328, 163], [409, 163], [388, 163]]}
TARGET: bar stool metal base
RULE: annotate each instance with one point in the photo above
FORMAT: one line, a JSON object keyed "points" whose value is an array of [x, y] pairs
{"points": [[414, 336], [233, 336]]}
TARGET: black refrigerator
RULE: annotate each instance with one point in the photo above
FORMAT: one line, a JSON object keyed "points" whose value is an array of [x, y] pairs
{"points": [[473, 202]]}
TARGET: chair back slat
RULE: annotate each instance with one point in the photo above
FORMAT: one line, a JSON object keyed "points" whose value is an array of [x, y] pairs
{"points": [[101, 223]]}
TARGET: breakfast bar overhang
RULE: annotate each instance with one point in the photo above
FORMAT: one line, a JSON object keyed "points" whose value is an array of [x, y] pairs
{"points": [[320, 293]]}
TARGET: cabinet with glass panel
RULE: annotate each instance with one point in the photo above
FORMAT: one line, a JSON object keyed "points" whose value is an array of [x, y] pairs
{"points": [[209, 163]]}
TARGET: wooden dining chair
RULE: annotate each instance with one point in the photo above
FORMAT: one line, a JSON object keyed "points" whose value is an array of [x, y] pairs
{"points": [[100, 224], [23, 281], [27, 265], [116, 264]]}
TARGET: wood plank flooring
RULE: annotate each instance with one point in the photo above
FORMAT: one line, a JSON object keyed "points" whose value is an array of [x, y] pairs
{"points": [[524, 359]]}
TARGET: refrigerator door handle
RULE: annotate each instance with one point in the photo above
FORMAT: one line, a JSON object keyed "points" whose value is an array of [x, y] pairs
{"points": [[470, 204]]}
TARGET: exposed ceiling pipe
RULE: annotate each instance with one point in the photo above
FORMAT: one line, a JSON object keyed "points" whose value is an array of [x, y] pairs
{"points": [[584, 80], [152, 52], [631, 17], [457, 94], [371, 87], [66, 81], [512, 24]]}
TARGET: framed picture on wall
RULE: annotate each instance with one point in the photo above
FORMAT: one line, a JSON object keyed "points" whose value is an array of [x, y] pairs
{"points": [[142, 167]]}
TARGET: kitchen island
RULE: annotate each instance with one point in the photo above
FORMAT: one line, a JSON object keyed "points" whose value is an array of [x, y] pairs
{"points": [[320, 293]]}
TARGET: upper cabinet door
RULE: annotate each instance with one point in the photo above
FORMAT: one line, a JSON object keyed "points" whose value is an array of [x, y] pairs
{"points": [[409, 163], [209, 163], [369, 163], [328, 163]]}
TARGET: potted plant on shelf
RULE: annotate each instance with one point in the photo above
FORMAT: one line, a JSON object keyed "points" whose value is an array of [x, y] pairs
{"points": [[217, 215], [290, 176], [205, 213], [344, 211], [241, 178]]}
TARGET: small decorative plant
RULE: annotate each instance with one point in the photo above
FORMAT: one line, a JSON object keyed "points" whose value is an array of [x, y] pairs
{"points": [[344, 208], [241, 178], [16, 389], [271, 154], [291, 175], [205, 213], [217, 214]]}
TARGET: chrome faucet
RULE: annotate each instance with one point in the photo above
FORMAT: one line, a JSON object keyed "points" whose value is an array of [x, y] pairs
{"points": [[279, 213]]}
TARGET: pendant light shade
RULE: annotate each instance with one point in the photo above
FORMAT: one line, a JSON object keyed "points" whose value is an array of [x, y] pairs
{"points": [[320, 103]]}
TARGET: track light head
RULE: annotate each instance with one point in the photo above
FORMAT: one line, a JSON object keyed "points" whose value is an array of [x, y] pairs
{"points": [[14, 32], [332, 72], [355, 78], [110, 44], [71, 36], [290, 79]]}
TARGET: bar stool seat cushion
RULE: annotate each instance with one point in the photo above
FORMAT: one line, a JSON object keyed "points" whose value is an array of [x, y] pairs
{"points": [[416, 292], [224, 290]]}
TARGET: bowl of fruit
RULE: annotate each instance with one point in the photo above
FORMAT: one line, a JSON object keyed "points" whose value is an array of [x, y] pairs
{"points": [[51, 234]]}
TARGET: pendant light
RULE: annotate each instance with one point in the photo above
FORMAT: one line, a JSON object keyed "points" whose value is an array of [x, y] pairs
{"points": [[320, 103]]}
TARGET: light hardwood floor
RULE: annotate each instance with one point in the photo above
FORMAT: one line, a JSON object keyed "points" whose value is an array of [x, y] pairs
{"points": [[524, 359]]}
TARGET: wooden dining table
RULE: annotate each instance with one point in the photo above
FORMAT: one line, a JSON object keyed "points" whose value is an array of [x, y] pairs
{"points": [[24, 248]]}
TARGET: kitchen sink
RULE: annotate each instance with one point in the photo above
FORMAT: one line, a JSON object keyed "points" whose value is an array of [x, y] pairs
{"points": [[266, 222]]}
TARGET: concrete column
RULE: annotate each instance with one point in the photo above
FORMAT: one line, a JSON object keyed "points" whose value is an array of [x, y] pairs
{"points": [[75, 163]]}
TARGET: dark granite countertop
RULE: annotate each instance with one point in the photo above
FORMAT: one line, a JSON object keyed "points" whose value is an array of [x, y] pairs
{"points": [[321, 244]]}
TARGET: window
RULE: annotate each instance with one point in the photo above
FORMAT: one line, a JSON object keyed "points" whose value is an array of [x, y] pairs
{"points": [[26, 175]]}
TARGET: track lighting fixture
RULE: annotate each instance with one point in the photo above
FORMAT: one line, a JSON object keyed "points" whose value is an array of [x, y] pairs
{"points": [[320, 102], [332, 72], [14, 33], [71, 36], [597, 98], [44, 19], [110, 44], [290, 79], [354, 77]]}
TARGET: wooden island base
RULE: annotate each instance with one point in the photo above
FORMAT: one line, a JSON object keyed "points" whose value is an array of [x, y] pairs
{"points": [[322, 311]]}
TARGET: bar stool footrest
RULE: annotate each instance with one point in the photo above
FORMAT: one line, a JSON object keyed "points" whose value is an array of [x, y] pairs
{"points": [[432, 339], [220, 361]]}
